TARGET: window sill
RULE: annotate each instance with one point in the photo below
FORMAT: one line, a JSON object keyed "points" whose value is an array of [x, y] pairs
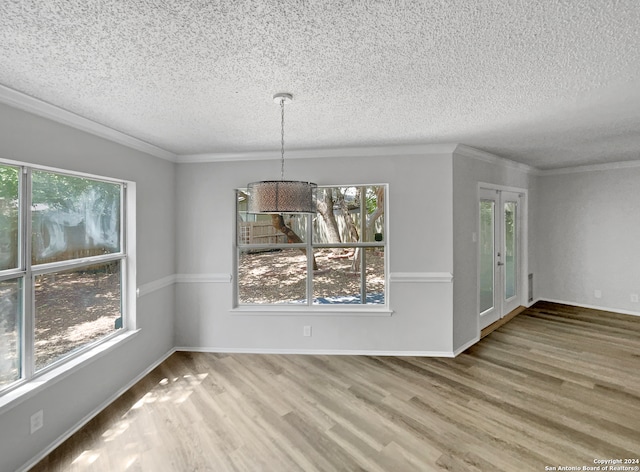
{"points": [[23, 392], [253, 310]]}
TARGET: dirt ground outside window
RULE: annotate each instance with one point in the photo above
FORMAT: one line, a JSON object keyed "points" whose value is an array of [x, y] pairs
{"points": [[280, 277]]}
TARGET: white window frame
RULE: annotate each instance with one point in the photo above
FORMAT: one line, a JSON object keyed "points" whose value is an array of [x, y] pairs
{"points": [[361, 309], [26, 271]]}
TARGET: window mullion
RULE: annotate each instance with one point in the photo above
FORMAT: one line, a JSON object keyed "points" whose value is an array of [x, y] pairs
{"points": [[124, 282], [59, 266], [310, 258], [123, 219], [341, 245], [23, 191], [363, 276], [302, 245], [363, 237], [28, 286], [11, 274]]}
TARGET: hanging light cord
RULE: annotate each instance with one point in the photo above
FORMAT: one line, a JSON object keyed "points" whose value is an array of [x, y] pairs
{"points": [[282, 139]]}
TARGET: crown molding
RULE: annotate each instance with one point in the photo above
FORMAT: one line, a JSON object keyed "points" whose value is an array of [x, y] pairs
{"points": [[591, 168], [365, 151], [41, 108], [473, 153]]}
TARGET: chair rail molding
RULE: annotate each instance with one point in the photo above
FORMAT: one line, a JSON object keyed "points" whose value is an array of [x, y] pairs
{"points": [[421, 277]]}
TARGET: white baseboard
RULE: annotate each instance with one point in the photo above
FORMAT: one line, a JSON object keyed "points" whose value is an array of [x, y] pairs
{"points": [[593, 307], [465, 346], [317, 352], [34, 460], [533, 302]]}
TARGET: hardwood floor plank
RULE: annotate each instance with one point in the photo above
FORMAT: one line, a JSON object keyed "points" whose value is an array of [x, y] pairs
{"points": [[557, 385], [560, 402]]}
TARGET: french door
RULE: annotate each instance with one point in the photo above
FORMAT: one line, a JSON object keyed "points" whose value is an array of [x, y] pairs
{"points": [[500, 254]]}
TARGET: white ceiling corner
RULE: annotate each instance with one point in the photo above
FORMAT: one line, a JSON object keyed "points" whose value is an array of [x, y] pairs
{"points": [[547, 84]]}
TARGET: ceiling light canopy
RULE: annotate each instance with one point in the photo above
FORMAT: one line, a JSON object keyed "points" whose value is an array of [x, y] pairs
{"points": [[282, 196]]}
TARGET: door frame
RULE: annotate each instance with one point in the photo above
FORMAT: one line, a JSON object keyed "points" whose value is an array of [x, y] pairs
{"points": [[523, 267]]}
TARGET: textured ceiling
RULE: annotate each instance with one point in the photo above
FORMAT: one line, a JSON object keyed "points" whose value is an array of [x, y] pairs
{"points": [[546, 83]]}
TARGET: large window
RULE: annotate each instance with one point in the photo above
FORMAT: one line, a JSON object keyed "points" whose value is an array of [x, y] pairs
{"points": [[62, 266], [335, 256]]}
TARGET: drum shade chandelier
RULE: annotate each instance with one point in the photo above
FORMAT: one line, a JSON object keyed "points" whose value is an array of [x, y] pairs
{"points": [[282, 196]]}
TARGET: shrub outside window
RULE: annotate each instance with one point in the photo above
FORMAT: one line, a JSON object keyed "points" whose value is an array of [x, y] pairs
{"points": [[62, 266], [336, 256]]}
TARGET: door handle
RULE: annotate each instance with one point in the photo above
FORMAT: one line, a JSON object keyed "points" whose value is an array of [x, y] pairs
{"points": [[500, 263]]}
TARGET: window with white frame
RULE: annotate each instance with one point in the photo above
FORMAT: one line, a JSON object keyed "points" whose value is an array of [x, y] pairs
{"points": [[62, 266], [336, 256]]}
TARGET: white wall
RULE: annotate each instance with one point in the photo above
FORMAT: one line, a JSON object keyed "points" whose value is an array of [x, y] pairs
{"points": [[588, 235], [420, 239], [36, 140], [467, 173]]}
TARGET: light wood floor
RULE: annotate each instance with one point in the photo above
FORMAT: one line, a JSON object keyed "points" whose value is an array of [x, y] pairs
{"points": [[557, 385]]}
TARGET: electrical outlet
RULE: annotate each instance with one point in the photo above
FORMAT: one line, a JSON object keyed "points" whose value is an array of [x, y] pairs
{"points": [[306, 331], [37, 421], [634, 297], [597, 293]]}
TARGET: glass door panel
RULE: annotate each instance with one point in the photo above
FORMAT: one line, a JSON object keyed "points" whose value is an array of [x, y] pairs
{"points": [[498, 255], [510, 249], [487, 255]]}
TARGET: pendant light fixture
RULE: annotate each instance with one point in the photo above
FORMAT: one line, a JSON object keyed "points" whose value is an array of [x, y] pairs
{"points": [[282, 196]]}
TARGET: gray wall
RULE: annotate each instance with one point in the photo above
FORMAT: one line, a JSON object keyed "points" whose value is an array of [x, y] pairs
{"points": [[467, 173], [420, 239], [35, 140], [588, 238], [583, 230]]}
